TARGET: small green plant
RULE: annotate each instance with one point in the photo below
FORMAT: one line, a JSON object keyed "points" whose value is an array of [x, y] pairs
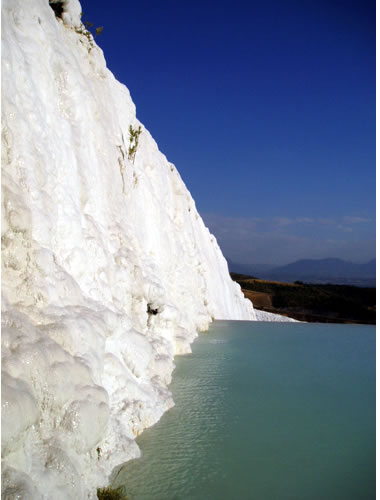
{"points": [[133, 142], [109, 493], [89, 25], [85, 29]]}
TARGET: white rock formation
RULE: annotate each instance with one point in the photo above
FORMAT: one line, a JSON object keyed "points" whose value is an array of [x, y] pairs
{"points": [[108, 270]]}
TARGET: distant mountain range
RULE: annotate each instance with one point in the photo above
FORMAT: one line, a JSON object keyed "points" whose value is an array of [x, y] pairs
{"points": [[314, 271]]}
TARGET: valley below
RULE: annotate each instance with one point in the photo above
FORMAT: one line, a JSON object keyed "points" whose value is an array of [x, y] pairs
{"points": [[321, 303]]}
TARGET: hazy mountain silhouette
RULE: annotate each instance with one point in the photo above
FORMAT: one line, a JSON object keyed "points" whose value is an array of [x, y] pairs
{"points": [[314, 270]]}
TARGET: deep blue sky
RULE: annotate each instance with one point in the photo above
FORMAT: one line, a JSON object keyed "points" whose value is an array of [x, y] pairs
{"points": [[267, 110]]}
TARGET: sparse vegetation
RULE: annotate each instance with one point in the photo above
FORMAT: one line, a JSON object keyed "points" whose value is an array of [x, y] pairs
{"points": [[311, 302], [109, 493], [133, 142], [83, 31], [58, 7], [90, 25]]}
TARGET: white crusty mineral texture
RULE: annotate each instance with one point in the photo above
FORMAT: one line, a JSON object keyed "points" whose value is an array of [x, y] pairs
{"points": [[107, 268]]}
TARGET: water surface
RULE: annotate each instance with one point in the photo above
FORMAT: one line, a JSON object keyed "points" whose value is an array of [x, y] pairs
{"points": [[266, 411]]}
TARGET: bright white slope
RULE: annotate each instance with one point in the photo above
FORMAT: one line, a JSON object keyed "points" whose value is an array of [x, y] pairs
{"points": [[93, 244]]}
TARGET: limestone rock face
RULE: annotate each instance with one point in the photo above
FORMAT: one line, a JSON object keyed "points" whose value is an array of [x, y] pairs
{"points": [[108, 270]]}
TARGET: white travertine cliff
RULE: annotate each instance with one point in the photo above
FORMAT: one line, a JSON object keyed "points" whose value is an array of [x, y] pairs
{"points": [[107, 269]]}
